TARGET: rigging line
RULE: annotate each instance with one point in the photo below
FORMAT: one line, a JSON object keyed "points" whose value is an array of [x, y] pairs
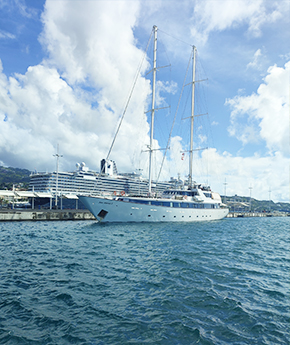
{"points": [[127, 104], [178, 39], [124, 112], [168, 142]]}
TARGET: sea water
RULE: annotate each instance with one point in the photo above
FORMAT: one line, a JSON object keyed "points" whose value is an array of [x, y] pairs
{"points": [[70, 282]]}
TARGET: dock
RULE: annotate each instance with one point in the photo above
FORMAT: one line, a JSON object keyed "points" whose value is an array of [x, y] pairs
{"points": [[58, 214], [35, 215], [256, 214]]}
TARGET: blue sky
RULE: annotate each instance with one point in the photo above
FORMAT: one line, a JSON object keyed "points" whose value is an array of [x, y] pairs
{"points": [[67, 68]]}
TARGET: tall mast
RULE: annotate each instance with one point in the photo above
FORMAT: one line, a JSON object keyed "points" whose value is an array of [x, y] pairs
{"points": [[152, 108], [57, 155], [192, 116]]}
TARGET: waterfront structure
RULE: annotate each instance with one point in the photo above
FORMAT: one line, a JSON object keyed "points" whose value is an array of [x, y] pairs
{"points": [[83, 181]]}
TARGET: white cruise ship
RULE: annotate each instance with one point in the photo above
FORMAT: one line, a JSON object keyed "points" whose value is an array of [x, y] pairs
{"points": [[83, 181]]}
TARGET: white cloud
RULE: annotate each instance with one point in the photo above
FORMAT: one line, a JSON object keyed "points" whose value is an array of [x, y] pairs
{"points": [[6, 35], [25, 11], [76, 96], [265, 114], [285, 56], [261, 173], [165, 88], [212, 16], [255, 63], [266, 173], [92, 43], [40, 110]]}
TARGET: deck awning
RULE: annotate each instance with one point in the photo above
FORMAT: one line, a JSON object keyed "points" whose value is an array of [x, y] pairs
{"points": [[43, 195], [70, 196], [25, 194], [7, 193]]}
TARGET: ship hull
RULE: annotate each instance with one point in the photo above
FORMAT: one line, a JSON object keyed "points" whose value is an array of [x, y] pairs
{"points": [[111, 210]]}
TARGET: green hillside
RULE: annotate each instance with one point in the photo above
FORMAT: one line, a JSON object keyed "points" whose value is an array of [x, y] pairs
{"points": [[243, 204], [20, 179], [14, 176]]}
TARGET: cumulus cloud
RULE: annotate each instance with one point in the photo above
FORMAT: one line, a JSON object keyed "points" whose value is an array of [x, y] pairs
{"points": [[38, 110], [76, 96], [212, 16], [264, 115], [261, 173]]}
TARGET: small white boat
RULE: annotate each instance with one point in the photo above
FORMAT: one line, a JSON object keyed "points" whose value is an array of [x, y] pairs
{"points": [[188, 203]]}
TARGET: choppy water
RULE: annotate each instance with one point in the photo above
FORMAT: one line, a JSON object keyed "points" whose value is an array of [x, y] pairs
{"points": [[224, 282]]}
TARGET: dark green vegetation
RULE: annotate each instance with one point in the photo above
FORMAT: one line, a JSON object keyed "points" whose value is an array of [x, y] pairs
{"points": [[14, 176]]}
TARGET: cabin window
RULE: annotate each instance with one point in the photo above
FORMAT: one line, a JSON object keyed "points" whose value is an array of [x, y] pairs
{"points": [[167, 204], [156, 203], [140, 201]]}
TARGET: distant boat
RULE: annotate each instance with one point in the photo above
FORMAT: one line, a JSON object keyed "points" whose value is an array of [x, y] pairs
{"points": [[187, 203]]}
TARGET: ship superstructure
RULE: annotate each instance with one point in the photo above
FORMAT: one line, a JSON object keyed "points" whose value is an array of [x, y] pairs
{"points": [[83, 181]]}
